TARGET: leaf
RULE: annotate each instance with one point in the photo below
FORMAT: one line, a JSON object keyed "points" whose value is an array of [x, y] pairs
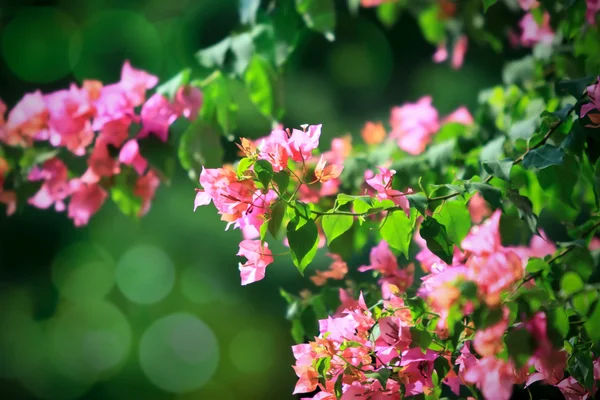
{"points": [[431, 26], [338, 387], [493, 150], [543, 157], [353, 6], [440, 154], [592, 325], [389, 12], [248, 9], [219, 104], [524, 129], [161, 156], [199, 146], [519, 71], [264, 172], [597, 182], [336, 225], [437, 239], [259, 80], [575, 87], [397, 231], [381, 375], [243, 49], [491, 194], [276, 38], [487, 4], [297, 331], [570, 283], [318, 15], [214, 56], [323, 365], [277, 213], [420, 337], [455, 216], [244, 165], [581, 367], [303, 242], [282, 179], [500, 169], [303, 213], [519, 346], [536, 265], [442, 367], [560, 321], [418, 201], [122, 194], [170, 87], [525, 209]]}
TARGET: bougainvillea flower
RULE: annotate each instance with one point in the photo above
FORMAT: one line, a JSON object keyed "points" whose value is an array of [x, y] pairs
{"points": [[188, 100], [157, 116], [130, 155], [592, 109], [26, 120], [494, 273], [337, 270], [572, 390], [417, 371], [7, 197], [258, 255], [136, 82], [381, 260], [539, 246], [373, 133], [86, 200], [100, 163], [2, 113], [459, 51], [485, 238], [145, 188], [489, 341], [382, 183], [493, 376], [325, 172], [413, 125], [302, 143], [532, 33], [593, 7], [251, 221], [460, 116], [275, 149], [528, 4], [55, 188], [478, 208]]}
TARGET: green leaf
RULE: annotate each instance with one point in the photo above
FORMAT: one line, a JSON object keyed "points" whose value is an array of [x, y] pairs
{"points": [[276, 38], [592, 325], [570, 283], [559, 321], [336, 225], [583, 301], [360, 206], [468, 289], [487, 4], [543, 157], [442, 367], [536, 265], [455, 216], [277, 213], [244, 165], [264, 172], [493, 150], [381, 375], [303, 213], [389, 12], [199, 146], [420, 337], [282, 179], [418, 201], [214, 56], [303, 242], [524, 129], [500, 169], [122, 194], [248, 10], [581, 367], [35, 156], [575, 87], [242, 47], [219, 104], [437, 239], [161, 156], [519, 346], [597, 182], [170, 87], [397, 231], [491, 194], [431, 25], [318, 15], [259, 79], [297, 331], [323, 365], [338, 387], [525, 209]]}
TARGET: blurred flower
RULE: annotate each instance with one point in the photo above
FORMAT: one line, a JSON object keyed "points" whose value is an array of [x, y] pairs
{"points": [[413, 125], [592, 109], [258, 255], [130, 155], [86, 200], [532, 33], [373, 133], [55, 188], [145, 188], [337, 270]]}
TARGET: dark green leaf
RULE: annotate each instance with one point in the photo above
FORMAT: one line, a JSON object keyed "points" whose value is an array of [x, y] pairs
{"points": [[214, 56], [303, 243], [338, 387], [493, 150], [323, 368], [260, 80], [397, 231], [319, 15], [575, 87], [455, 216], [336, 225], [418, 201], [277, 213], [297, 331], [122, 194], [248, 9], [381, 375], [581, 367], [500, 169], [592, 325], [468, 289], [543, 157], [440, 154], [437, 239], [282, 179], [524, 129], [264, 172], [491, 194], [525, 209], [200, 146], [303, 212], [161, 156], [442, 367], [487, 4], [597, 182], [420, 337], [519, 345]]}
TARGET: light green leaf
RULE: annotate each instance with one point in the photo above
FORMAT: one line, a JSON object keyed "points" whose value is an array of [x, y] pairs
{"points": [[214, 56], [260, 79], [454, 215], [277, 213], [397, 230], [243, 49], [248, 10], [303, 242], [488, 3], [570, 283], [381, 375], [336, 225], [432, 26], [318, 15], [418, 201], [592, 325]]}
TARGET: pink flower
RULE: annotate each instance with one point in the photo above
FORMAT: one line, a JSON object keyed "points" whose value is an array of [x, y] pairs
{"points": [[441, 53], [157, 115], [275, 149], [55, 188], [528, 4], [100, 163], [26, 120], [7, 197], [489, 341], [130, 155], [2, 112], [115, 132], [145, 187], [308, 378], [86, 200], [532, 33], [494, 273], [393, 339], [136, 82], [302, 143], [372, 3], [572, 390], [593, 92], [337, 270], [494, 377], [413, 125], [252, 220], [69, 124], [188, 100], [478, 208], [258, 255], [382, 260], [485, 238], [460, 116], [539, 247], [593, 6], [417, 371], [458, 53], [382, 183]]}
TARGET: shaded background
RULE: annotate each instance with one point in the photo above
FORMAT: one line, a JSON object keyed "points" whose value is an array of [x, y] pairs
{"points": [[154, 309]]}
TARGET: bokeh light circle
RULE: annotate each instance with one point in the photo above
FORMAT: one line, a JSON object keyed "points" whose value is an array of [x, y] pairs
{"points": [[21, 341], [145, 274], [179, 353], [251, 345], [36, 44], [89, 342], [84, 272], [199, 287], [112, 36]]}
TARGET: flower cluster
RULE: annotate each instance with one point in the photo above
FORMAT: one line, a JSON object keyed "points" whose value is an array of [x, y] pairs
{"points": [[96, 121]]}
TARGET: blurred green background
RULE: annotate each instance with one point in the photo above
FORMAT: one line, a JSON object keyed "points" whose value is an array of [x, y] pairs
{"points": [[154, 309]]}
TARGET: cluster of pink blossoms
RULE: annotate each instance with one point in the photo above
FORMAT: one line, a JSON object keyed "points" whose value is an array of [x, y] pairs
{"points": [[93, 120], [592, 109], [362, 346]]}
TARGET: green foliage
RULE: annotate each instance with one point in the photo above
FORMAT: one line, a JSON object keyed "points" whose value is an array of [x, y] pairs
{"points": [[319, 15], [455, 216], [397, 230], [304, 240], [437, 239], [336, 225]]}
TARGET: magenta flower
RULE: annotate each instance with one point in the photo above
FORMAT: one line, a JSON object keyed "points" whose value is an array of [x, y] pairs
{"points": [[592, 109], [157, 115], [86, 200], [302, 143], [26, 121], [258, 255], [382, 183], [494, 377], [55, 188], [188, 101], [593, 6], [145, 188], [130, 155], [418, 367], [413, 125], [532, 33]]}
